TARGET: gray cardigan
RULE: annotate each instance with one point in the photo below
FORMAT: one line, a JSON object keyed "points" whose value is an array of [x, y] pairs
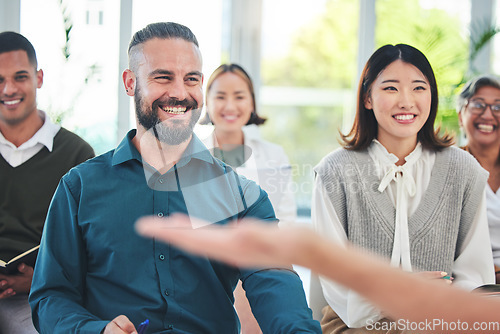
{"points": [[437, 228]]}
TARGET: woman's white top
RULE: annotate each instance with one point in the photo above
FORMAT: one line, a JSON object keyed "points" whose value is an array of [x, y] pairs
{"points": [[268, 166], [493, 210], [405, 190]]}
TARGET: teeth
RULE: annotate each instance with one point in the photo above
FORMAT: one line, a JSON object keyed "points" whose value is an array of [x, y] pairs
{"points": [[174, 110], [404, 117], [230, 117], [485, 127], [9, 103]]}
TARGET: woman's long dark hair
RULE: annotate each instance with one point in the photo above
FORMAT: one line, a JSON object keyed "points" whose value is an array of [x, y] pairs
{"points": [[365, 126]]}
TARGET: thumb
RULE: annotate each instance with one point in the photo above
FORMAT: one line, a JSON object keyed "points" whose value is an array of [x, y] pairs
{"points": [[24, 269]]}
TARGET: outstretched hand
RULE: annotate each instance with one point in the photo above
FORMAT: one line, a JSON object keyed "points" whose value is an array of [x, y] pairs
{"points": [[247, 243]]}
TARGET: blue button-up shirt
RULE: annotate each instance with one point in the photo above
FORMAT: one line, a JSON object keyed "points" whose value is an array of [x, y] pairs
{"points": [[92, 266]]}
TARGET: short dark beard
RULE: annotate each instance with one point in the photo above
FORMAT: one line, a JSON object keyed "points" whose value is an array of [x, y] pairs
{"points": [[170, 135]]}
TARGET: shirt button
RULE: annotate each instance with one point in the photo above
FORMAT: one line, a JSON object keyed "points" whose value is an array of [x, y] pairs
{"points": [[166, 292], [160, 214], [162, 257]]}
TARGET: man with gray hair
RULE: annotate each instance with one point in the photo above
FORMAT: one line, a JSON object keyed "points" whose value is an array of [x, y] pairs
{"points": [[94, 274]]}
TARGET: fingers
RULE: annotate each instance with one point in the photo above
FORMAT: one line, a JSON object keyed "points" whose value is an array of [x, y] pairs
{"points": [[153, 227], [7, 293], [119, 325], [442, 275], [247, 243], [5, 290], [244, 244], [445, 277], [25, 269], [19, 283], [177, 230]]}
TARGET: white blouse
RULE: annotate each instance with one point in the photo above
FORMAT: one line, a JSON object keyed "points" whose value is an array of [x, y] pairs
{"points": [[268, 166], [493, 210], [405, 192]]}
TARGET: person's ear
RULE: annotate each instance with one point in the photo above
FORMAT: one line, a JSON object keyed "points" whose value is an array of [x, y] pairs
{"points": [[129, 81], [368, 102], [460, 119], [39, 78]]}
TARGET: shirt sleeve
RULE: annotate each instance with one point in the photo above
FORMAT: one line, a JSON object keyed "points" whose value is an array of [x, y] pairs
{"points": [[474, 266], [276, 295], [353, 309], [56, 296]]}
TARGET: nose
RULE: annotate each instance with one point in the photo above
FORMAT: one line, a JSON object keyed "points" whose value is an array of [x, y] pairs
{"points": [[406, 100], [487, 113], [9, 88], [177, 90], [230, 104]]}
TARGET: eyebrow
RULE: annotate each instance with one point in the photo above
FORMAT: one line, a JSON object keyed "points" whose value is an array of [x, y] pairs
{"points": [[18, 73], [161, 72], [167, 72], [397, 81], [221, 92], [196, 73], [482, 98]]}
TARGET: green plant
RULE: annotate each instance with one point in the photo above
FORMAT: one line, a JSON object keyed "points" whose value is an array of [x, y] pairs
{"points": [[68, 26], [57, 110], [480, 35]]}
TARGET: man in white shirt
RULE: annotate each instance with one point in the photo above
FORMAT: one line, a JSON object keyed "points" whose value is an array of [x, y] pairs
{"points": [[34, 154]]}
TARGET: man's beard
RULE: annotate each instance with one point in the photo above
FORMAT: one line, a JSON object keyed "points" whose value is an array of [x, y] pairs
{"points": [[173, 134]]}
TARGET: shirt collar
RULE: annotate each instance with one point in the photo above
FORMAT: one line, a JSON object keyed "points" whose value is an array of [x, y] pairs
{"points": [[45, 135], [380, 153], [251, 133], [196, 149], [127, 151]]}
